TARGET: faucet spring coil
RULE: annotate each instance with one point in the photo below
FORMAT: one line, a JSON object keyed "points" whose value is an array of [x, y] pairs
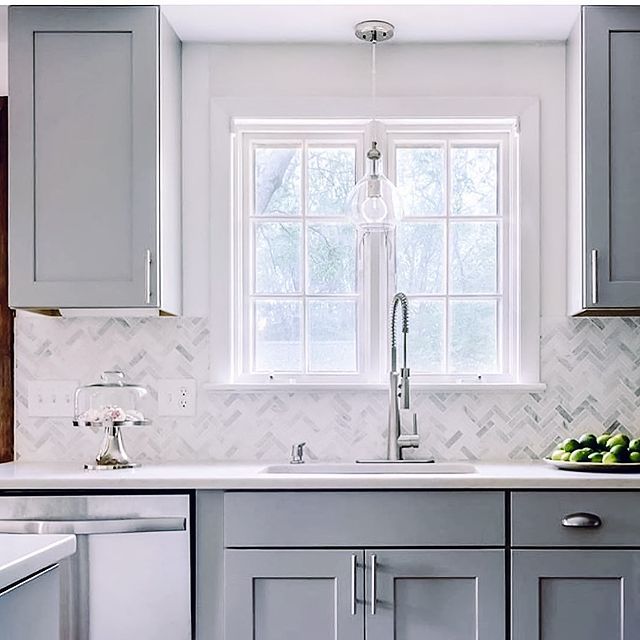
{"points": [[401, 299]]}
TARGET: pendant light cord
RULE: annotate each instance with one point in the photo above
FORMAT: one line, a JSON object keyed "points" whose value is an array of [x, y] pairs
{"points": [[373, 80]]}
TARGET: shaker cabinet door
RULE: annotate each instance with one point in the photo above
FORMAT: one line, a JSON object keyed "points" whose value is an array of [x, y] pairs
{"points": [[444, 594], [611, 134], [83, 156], [293, 594], [575, 595]]}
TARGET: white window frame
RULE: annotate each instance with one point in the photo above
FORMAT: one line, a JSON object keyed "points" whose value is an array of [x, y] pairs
{"points": [[503, 134], [521, 113], [248, 136]]}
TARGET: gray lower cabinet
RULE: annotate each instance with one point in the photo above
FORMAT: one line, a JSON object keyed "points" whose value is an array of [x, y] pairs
{"points": [[94, 159], [450, 594], [575, 594], [30, 609], [363, 565], [377, 594], [293, 594]]}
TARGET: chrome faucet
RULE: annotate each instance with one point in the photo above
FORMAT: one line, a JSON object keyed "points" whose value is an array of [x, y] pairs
{"points": [[297, 453], [399, 387]]}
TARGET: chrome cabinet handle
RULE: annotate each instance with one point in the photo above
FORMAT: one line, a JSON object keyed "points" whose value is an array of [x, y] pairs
{"points": [[582, 520], [374, 586], [147, 276], [354, 583], [594, 276], [90, 527]]}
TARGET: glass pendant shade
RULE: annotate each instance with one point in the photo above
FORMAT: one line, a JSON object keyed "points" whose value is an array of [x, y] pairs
{"points": [[374, 203]]}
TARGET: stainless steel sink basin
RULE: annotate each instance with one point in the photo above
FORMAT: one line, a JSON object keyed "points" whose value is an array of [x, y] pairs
{"points": [[372, 467]]}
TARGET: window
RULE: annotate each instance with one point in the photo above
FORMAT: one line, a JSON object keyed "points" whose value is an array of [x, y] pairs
{"points": [[453, 250], [311, 294]]}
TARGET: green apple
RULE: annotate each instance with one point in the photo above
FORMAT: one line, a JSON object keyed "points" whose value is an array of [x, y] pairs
{"points": [[580, 455], [588, 440], [570, 444], [618, 439]]}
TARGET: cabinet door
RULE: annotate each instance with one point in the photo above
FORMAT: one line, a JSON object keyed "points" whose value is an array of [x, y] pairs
{"points": [[443, 594], [31, 609], [83, 156], [293, 594], [575, 595], [611, 130]]}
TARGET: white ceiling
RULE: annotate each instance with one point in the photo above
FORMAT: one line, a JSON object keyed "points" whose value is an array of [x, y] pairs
{"points": [[334, 23]]}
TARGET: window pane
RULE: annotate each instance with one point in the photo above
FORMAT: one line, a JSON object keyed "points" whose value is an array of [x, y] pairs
{"points": [[331, 175], [473, 255], [473, 341], [426, 336], [278, 335], [331, 258], [278, 247], [332, 335], [420, 180], [420, 257], [474, 181], [277, 181]]}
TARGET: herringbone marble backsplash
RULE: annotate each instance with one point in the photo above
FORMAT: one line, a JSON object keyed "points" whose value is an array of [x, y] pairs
{"points": [[591, 368]]}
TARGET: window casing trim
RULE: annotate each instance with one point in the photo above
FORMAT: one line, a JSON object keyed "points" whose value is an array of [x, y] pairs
{"points": [[523, 111]]}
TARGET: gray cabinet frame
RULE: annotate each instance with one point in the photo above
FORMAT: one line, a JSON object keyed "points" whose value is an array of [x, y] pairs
{"points": [[305, 571], [94, 175], [481, 572], [586, 573], [603, 125]]}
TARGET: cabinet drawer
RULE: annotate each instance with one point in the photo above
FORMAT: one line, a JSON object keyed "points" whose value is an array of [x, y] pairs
{"points": [[363, 519], [612, 519]]}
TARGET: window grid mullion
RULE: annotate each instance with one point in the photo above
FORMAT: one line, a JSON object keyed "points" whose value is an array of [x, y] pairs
{"points": [[250, 286], [311, 296], [447, 212], [305, 266]]}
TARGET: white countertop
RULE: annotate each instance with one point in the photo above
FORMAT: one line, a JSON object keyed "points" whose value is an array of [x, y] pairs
{"points": [[23, 555], [234, 475]]}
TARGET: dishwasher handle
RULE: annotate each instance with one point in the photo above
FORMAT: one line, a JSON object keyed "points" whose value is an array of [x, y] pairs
{"points": [[94, 527]]}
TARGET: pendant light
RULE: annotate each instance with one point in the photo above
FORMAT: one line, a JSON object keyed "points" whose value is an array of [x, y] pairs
{"points": [[374, 204]]}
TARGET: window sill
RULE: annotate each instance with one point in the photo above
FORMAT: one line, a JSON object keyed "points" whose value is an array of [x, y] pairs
{"points": [[317, 387]]}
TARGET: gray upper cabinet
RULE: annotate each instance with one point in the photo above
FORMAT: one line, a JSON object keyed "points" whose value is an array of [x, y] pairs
{"points": [[94, 159], [603, 133], [575, 595], [445, 594], [293, 594]]}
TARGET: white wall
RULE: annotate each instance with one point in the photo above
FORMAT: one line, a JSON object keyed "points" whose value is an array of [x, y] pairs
{"points": [[582, 360], [486, 70]]}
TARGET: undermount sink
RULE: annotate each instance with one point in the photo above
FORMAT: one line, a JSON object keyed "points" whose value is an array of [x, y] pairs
{"points": [[372, 467]]}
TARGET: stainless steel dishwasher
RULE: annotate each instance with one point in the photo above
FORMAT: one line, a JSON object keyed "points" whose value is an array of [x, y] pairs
{"points": [[130, 576]]}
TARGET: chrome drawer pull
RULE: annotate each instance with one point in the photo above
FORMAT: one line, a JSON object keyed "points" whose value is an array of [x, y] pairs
{"points": [[594, 276], [354, 584], [582, 520], [147, 276], [374, 595]]}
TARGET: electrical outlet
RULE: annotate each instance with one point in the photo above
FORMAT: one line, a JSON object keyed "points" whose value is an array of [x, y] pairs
{"points": [[51, 398], [177, 397]]}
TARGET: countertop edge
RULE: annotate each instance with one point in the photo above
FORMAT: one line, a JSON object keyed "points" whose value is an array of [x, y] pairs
{"points": [[221, 476], [50, 550]]}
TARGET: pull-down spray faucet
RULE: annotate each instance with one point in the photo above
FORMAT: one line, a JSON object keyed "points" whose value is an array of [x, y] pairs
{"points": [[399, 385]]}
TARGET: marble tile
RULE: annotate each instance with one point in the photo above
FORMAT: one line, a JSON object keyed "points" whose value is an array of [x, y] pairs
{"points": [[590, 367]]}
